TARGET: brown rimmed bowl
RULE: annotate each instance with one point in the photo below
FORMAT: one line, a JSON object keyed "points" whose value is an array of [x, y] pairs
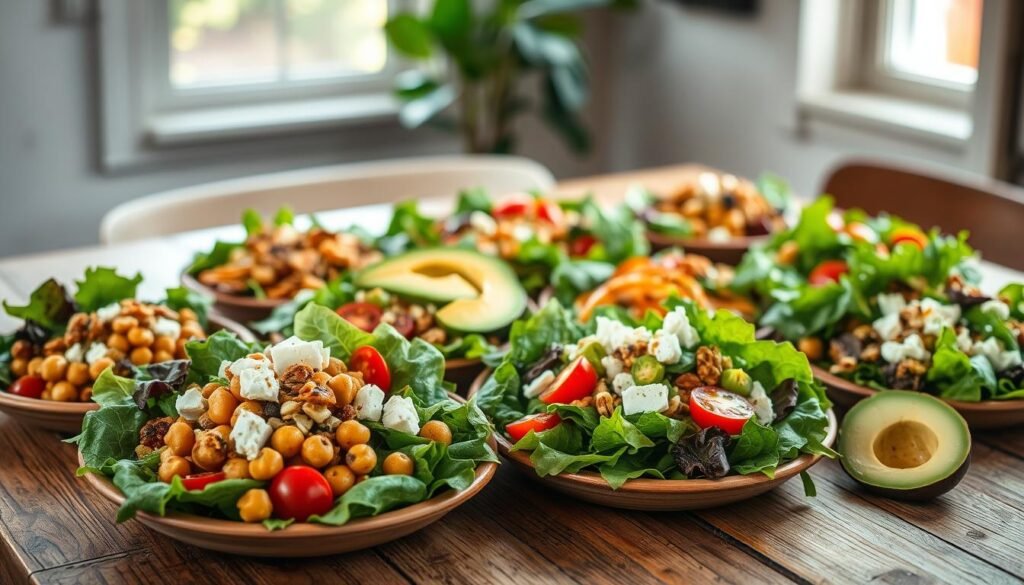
{"points": [[729, 252], [987, 414], [237, 307], [462, 372], [659, 495], [66, 417], [300, 539]]}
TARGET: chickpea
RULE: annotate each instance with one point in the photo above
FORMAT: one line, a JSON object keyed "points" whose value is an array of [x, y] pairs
{"points": [[263, 274], [118, 342], [192, 330], [85, 394], [436, 430], [235, 386], [64, 392], [162, 356], [164, 343], [811, 346], [179, 347], [180, 438], [225, 432], [78, 374], [255, 506], [96, 368], [361, 459], [210, 451], [187, 314], [221, 406], [34, 365], [236, 468], [321, 378], [250, 405], [344, 387], [46, 395], [172, 466], [341, 479], [335, 367], [141, 356], [140, 337], [166, 454], [123, 324], [351, 433], [209, 389], [398, 463], [266, 465], [19, 367], [317, 451], [287, 440], [54, 368]]}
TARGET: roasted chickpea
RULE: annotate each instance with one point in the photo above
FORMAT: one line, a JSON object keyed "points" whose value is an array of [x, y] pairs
{"points": [[210, 451], [221, 406], [19, 367], [351, 433], [235, 386], [164, 343], [398, 463], [335, 367], [78, 373], [34, 365], [266, 465], [162, 356], [438, 431], [811, 346], [85, 394], [180, 438], [96, 368], [46, 395], [118, 342], [361, 459], [287, 440], [166, 454], [53, 368], [250, 405], [179, 348], [344, 387], [225, 432], [255, 506], [141, 356], [64, 392], [192, 330], [236, 468], [209, 388], [317, 451], [263, 274], [321, 378], [187, 314], [172, 466], [123, 324], [341, 479]]}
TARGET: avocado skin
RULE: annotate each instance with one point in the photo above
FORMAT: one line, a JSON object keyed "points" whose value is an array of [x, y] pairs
{"points": [[918, 494]]}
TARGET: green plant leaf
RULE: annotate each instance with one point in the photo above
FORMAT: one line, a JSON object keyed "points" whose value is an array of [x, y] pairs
{"points": [[48, 305], [452, 21], [418, 111], [410, 35], [103, 286]]}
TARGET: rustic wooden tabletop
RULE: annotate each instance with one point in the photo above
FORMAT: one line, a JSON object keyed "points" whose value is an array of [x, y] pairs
{"points": [[55, 529]]}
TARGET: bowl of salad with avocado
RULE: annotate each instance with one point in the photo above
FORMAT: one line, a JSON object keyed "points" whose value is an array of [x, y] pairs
{"points": [[677, 412], [49, 365], [335, 439], [458, 300], [879, 303]]}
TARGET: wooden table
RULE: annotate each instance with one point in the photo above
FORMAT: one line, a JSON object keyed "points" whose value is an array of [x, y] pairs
{"points": [[54, 529]]}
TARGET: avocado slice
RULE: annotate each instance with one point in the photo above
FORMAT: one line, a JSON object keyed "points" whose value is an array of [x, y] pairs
{"points": [[479, 293], [905, 445]]}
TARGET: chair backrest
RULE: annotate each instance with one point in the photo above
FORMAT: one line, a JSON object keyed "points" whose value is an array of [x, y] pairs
{"points": [[991, 210], [319, 189]]}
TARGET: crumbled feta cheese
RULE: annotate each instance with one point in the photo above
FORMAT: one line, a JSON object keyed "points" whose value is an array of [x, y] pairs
{"points": [[890, 303], [400, 415], [614, 334], [622, 381], [762, 404], [678, 323], [109, 312], [1000, 358], [242, 364], [938, 316], [612, 366], [259, 383], [647, 398], [222, 371], [483, 223], [369, 402], [539, 384], [997, 308], [96, 352], [293, 351], [964, 342], [522, 232], [710, 185], [910, 348], [75, 353], [249, 434], [888, 327], [167, 327], [665, 347], [719, 234], [191, 405]]}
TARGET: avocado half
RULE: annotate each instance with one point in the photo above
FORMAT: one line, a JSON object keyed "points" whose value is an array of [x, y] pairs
{"points": [[479, 293], [905, 445]]}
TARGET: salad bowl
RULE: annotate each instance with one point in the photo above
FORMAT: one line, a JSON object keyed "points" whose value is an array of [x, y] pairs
{"points": [[728, 252], [235, 307]]}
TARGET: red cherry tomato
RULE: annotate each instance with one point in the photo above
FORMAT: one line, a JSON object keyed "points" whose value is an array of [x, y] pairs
{"points": [[550, 212], [404, 324], [513, 206], [299, 492], [576, 381], [582, 245], [711, 406], [827, 272], [368, 360], [28, 386], [531, 422], [199, 481], [365, 316], [909, 236]]}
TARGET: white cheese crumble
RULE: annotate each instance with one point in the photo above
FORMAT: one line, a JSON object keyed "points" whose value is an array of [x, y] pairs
{"points": [[613, 334], [912, 347], [109, 312], [75, 353], [622, 381], [293, 351], [612, 366], [665, 347], [719, 234], [222, 371], [888, 327], [96, 352], [539, 384], [997, 308], [400, 415], [259, 383], [938, 316], [249, 434], [1001, 359], [191, 405], [369, 402], [167, 327], [678, 323], [647, 398], [483, 223], [891, 303], [964, 342], [762, 404]]}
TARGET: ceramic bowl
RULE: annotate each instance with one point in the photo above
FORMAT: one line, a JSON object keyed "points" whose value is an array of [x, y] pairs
{"points": [[239, 308], [659, 494], [66, 417], [462, 372], [987, 414], [300, 540], [729, 252]]}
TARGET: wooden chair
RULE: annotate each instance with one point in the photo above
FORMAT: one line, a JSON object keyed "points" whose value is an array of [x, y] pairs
{"points": [[319, 189], [991, 210]]}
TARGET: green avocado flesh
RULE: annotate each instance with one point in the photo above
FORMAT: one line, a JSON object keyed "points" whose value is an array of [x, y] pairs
{"points": [[905, 445], [480, 294]]}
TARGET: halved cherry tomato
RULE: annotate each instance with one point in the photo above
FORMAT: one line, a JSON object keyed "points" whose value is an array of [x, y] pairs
{"points": [[835, 221], [531, 422], [861, 232], [404, 324], [582, 245], [368, 360], [365, 316], [827, 272], [299, 492], [549, 211], [28, 386], [513, 206], [576, 381], [908, 235], [711, 406], [199, 481]]}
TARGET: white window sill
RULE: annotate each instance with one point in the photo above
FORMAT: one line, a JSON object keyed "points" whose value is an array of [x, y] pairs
{"points": [[206, 125], [950, 127]]}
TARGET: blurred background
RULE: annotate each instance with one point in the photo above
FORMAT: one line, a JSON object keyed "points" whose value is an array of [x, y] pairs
{"points": [[103, 101]]}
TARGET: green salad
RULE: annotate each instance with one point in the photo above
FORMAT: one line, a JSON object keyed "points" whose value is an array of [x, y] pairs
{"points": [[688, 395]]}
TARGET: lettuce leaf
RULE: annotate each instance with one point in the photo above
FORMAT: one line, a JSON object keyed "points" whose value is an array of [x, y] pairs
{"points": [[49, 305], [103, 286], [185, 298], [218, 256], [207, 354]]}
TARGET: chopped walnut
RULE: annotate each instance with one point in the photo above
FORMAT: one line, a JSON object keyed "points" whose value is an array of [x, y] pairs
{"points": [[871, 353], [709, 365], [312, 393], [152, 433], [295, 377], [845, 365], [606, 403], [583, 402], [688, 381], [677, 408]]}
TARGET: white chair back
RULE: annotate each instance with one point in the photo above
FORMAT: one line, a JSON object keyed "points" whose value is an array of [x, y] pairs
{"points": [[319, 189]]}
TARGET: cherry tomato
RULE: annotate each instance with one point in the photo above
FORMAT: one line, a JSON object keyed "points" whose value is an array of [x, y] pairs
{"points": [[199, 481], [582, 245], [861, 232], [404, 324], [298, 492], [827, 272], [513, 206], [576, 381], [365, 316], [28, 386], [368, 360], [549, 211], [908, 235], [835, 221], [531, 422], [711, 406]]}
